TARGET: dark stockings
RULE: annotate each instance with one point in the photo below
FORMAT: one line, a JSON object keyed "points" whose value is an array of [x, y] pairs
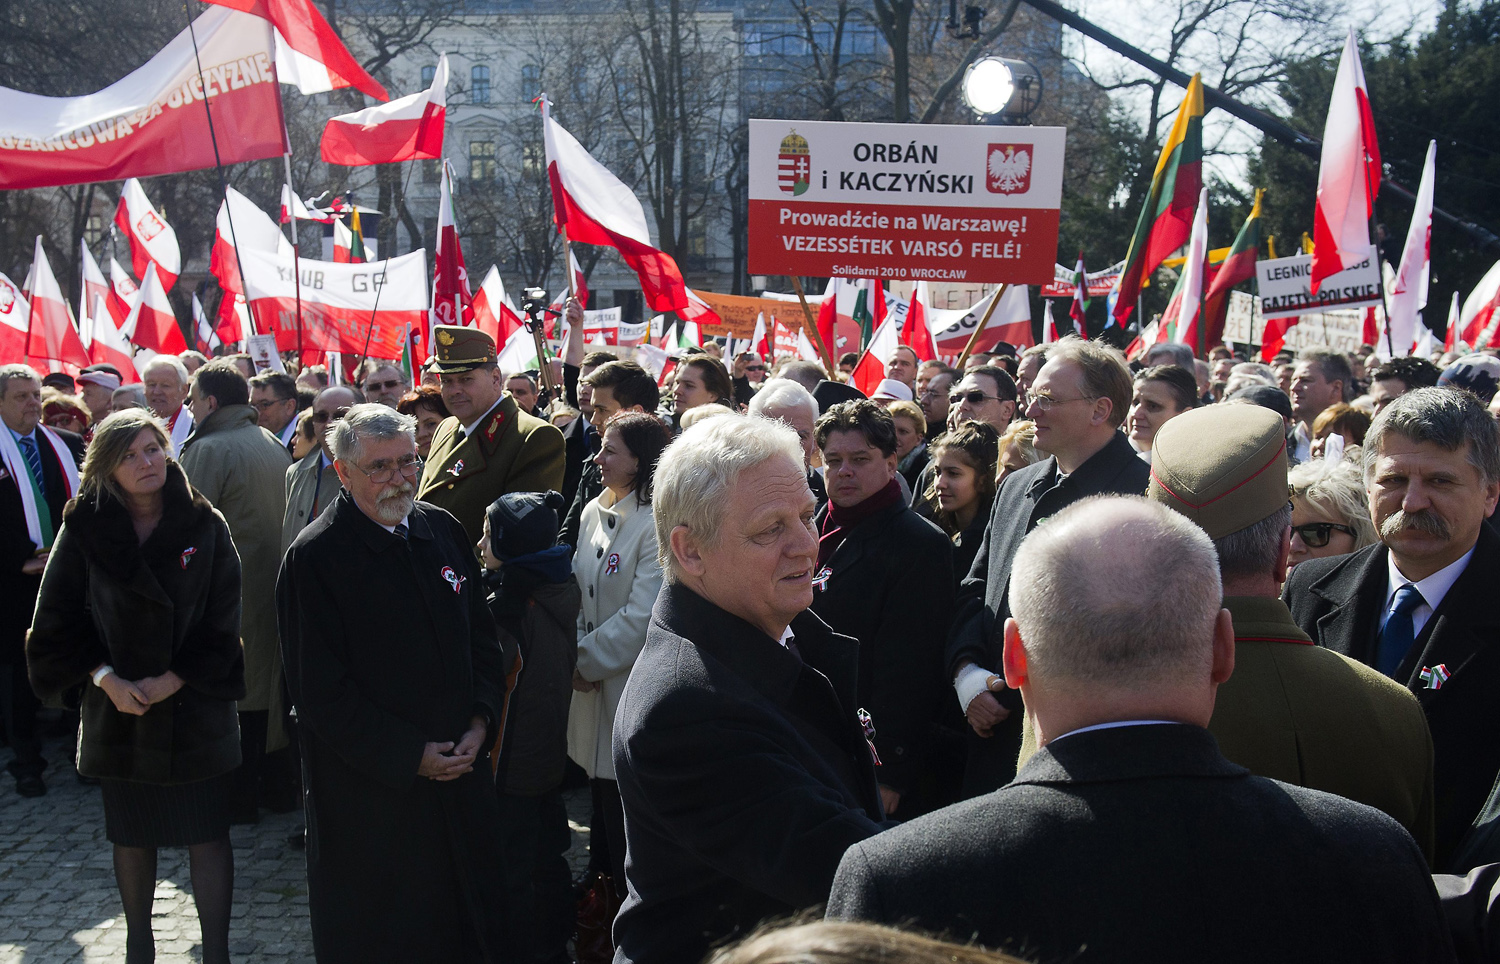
{"points": [[212, 868]]}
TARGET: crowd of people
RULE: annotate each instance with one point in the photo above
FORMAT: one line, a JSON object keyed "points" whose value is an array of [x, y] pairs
{"points": [[1049, 653]]}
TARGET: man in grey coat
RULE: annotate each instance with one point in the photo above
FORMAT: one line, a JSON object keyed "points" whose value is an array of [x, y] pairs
{"points": [[238, 466]]}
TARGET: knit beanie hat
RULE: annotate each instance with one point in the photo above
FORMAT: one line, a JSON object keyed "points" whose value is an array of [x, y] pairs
{"points": [[522, 523]]}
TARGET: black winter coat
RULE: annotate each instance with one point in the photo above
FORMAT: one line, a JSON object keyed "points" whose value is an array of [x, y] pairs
{"points": [[542, 618], [389, 646], [170, 604], [890, 585]]}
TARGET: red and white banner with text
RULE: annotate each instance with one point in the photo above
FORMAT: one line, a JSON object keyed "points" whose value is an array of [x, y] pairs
{"points": [[339, 301], [152, 121], [926, 202]]}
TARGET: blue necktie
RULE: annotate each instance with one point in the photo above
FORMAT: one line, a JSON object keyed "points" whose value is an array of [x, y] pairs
{"points": [[1399, 632], [401, 530], [33, 461]]}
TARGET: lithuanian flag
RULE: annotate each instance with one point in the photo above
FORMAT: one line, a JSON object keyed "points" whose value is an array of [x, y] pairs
{"points": [[1167, 216], [1239, 265]]}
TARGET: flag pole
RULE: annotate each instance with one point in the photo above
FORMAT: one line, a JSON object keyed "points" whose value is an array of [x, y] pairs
{"points": [[218, 163], [286, 160], [812, 328], [979, 329]]}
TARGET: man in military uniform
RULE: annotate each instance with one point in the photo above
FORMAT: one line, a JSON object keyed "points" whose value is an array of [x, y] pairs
{"points": [[1292, 711], [488, 447]]}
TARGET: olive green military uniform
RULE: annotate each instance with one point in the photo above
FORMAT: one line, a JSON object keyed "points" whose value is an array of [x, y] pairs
{"points": [[1291, 711], [508, 451]]}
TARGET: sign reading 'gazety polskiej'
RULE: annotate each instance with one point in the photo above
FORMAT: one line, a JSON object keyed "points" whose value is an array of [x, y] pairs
{"points": [[1285, 287], [909, 201]]}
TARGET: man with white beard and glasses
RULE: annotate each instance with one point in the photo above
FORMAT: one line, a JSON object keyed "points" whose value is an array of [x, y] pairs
{"points": [[398, 679]]}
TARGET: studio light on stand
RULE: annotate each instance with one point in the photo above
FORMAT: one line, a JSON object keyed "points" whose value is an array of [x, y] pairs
{"points": [[1001, 90]]}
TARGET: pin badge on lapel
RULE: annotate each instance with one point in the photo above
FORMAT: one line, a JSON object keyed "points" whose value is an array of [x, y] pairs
{"points": [[1434, 676], [454, 579], [820, 581], [188, 554], [613, 565], [868, 726], [456, 468]]}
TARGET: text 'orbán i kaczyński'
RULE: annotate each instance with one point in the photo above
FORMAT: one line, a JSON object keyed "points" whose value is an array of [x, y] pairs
{"points": [[911, 201]]}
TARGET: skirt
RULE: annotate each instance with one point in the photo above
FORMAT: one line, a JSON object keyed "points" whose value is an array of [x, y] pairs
{"points": [[151, 815]]}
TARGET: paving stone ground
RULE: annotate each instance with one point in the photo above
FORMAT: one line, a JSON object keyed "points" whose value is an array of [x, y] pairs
{"points": [[57, 890]]}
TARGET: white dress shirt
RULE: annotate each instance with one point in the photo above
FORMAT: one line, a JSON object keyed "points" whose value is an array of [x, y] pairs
{"points": [[1433, 589]]}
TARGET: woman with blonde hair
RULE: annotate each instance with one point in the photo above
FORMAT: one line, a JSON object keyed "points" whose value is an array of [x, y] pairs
{"points": [[139, 610], [1017, 448], [912, 453], [848, 942], [1330, 513]]}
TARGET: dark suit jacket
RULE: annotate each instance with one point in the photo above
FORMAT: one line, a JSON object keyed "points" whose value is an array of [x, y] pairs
{"points": [[743, 772], [17, 588], [578, 447], [1144, 844], [1026, 497], [1338, 602], [890, 586]]}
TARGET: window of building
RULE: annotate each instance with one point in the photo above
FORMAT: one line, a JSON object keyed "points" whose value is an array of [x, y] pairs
{"points": [[533, 159], [93, 233], [431, 172], [697, 239], [479, 84], [482, 166], [860, 38], [427, 74], [578, 82], [531, 82]]}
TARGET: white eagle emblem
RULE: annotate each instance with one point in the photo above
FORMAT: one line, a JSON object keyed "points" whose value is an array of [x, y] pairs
{"points": [[1008, 169]]}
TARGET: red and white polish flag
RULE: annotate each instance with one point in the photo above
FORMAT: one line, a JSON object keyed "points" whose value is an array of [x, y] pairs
{"points": [[870, 368], [14, 314], [308, 52], [339, 301], [123, 292], [1481, 305], [407, 129], [152, 324], [493, 313], [254, 230], [152, 121], [233, 323], [94, 285], [294, 207], [109, 346], [208, 340], [916, 330], [451, 298], [54, 344], [595, 207], [697, 312], [1010, 322], [1409, 292], [152, 240], [1348, 173]]}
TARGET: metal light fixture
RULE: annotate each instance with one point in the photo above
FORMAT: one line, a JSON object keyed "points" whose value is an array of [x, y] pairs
{"points": [[1002, 90]]}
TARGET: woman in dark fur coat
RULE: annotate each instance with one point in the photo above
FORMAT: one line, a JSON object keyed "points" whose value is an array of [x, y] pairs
{"points": [[137, 624]]}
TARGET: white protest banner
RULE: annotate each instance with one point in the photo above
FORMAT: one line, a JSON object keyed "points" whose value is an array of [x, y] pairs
{"points": [[340, 301], [263, 353], [934, 202], [601, 326], [1285, 286], [1100, 283], [152, 121]]}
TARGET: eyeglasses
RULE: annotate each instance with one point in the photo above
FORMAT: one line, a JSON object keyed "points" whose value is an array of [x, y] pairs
{"points": [[382, 386], [1045, 402], [1315, 535], [333, 416], [264, 403], [755, 368], [973, 397], [382, 474]]}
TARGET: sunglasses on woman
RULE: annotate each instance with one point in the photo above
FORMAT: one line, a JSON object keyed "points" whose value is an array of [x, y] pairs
{"points": [[1315, 535]]}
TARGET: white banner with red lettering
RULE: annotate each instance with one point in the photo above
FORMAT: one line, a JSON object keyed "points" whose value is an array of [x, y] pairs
{"points": [[152, 121], [342, 304]]}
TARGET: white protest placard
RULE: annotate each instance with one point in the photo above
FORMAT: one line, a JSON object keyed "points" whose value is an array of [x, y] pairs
{"points": [[937, 202], [1285, 286], [263, 353]]}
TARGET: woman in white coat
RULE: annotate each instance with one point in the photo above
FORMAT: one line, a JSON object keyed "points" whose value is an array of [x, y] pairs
{"points": [[617, 568]]}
